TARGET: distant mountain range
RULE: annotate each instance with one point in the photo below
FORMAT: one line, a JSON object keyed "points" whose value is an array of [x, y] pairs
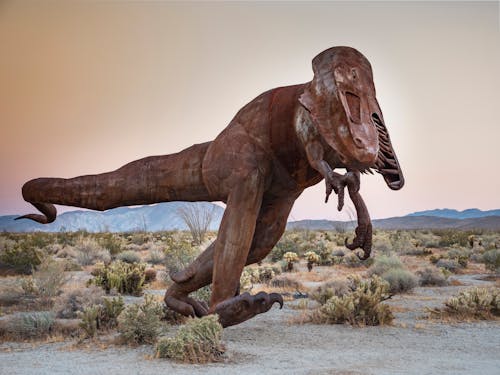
{"points": [[165, 216], [158, 217], [470, 213]]}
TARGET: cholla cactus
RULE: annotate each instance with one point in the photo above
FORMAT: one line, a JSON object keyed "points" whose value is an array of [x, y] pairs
{"points": [[290, 257], [362, 306], [312, 258], [475, 303]]}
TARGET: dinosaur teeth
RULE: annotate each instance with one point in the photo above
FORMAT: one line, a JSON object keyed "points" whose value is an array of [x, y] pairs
{"points": [[389, 171]]}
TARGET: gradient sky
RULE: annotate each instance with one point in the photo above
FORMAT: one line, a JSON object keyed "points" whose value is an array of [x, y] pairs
{"points": [[86, 88]]}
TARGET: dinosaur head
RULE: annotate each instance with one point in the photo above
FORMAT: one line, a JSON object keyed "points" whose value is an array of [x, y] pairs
{"points": [[342, 103]]}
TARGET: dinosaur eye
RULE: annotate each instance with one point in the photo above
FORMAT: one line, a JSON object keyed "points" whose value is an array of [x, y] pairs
{"points": [[354, 73]]}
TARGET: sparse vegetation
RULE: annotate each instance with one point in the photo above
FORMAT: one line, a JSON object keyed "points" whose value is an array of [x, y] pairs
{"points": [[361, 306], [140, 324], [198, 341], [471, 304], [124, 277]]}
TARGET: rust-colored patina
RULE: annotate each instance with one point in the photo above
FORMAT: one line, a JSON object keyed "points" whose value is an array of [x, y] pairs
{"points": [[280, 143]]}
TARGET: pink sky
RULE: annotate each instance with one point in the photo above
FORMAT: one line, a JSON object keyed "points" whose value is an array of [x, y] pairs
{"points": [[86, 88]]}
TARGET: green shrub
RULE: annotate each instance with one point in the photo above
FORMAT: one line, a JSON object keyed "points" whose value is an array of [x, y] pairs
{"points": [[400, 280], [475, 303], [20, 257], [124, 277], [105, 315], [88, 251], [70, 303], [383, 264], [361, 306], [179, 255], [332, 288], [431, 276], [140, 324], [155, 256], [31, 324], [202, 294], [491, 259], [129, 256], [283, 246], [198, 341]]}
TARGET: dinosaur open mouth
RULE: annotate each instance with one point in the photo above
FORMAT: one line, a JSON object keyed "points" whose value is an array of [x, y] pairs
{"points": [[387, 163]]}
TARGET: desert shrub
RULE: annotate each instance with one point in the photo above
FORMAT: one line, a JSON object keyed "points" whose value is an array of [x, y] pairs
{"points": [[286, 283], [45, 283], [99, 316], [138, 238], [382, 244], [111, 242], [461, 255], [491, 259], [149, 275], [450, 237], [20, 257], [89, 320], [431, 276], [402, 242], [155, 256], [178, 255], [361, 306], [338, 253], [129, 256], [88, 252], [383, 264], [70, 303], [311, 258], [427, 239], [400, 280], [198, 341], [290, 258], [126, 278], [140, 324], [202, 294], [451, 265], [352, 260], [284, 245], [332, 288], [30, 324], [324, 254], [475, 303]]}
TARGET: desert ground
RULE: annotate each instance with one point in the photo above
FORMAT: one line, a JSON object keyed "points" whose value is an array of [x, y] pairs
{"points": [[425, 335]]}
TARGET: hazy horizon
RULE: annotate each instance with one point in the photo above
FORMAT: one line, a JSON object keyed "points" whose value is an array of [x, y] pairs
{"points": [[87, 87]]}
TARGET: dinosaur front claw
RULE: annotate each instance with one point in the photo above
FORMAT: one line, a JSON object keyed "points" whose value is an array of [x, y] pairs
{"points": [[245, 306], [362, 240]]}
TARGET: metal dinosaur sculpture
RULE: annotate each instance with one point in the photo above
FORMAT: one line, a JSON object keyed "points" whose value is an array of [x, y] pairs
{"points": [[283, 141]]}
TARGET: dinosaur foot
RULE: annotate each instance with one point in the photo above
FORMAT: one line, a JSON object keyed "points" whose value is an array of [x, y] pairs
{"points": [[245, 306], [186, 305], [362, 240]]}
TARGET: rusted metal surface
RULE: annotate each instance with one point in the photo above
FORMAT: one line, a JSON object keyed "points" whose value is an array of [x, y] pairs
{"points": [[280, 143]]}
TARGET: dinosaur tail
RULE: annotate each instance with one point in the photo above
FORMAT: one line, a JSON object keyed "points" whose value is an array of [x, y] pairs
{"points": [[175, 177]]}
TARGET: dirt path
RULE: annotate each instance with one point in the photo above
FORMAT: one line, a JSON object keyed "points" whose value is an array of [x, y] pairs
{"points": [[268, 345]]}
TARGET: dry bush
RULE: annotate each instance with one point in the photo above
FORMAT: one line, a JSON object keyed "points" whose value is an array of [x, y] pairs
{"points": [[155, 256], [71, 302], [198, 341], [400, 280], [88, 251], [383, 264], [285, 282], [360, 307], [126, 278], [471, 304], [332, 288], [491, 259], [140, 324], [432, 276], [129, 256], [101, 316], [29, 324], [197, 216]]}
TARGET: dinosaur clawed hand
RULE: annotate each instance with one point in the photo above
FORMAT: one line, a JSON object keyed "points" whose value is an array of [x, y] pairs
{"points": [[245, 306], [337, 183], [185, 305]]}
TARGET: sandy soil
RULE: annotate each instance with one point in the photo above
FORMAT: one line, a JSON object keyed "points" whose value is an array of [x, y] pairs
{"points": [[268, 344]]}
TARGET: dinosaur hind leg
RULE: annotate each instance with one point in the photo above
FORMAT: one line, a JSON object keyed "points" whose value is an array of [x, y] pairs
{"points": [[271, 223]]}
